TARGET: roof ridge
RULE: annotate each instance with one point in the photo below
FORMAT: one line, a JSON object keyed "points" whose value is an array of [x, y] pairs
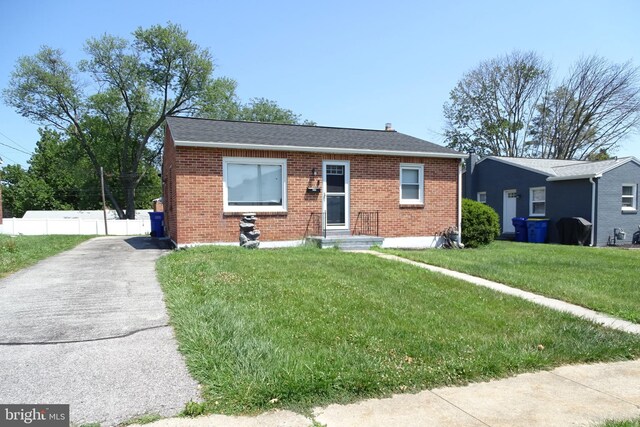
{"points": [[593, 162], [285, 124], [536, 159]]}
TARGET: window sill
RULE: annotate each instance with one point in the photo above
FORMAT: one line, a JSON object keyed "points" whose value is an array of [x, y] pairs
{"points": [[258, 213], [537, 215], [411, 205], [629, 211]]}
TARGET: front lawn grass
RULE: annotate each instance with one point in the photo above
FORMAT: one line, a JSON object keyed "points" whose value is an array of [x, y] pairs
{"points": [[603, 279], [301, 327], [19, 252], [627, 423]]}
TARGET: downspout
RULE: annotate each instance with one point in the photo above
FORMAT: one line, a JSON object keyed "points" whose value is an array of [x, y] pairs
{"points": [[593, 210], [460, 202]]}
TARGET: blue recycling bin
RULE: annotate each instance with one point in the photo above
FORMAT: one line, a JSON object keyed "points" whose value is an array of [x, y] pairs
{"points": [[520, 225], [537, 230], [157, 224]]}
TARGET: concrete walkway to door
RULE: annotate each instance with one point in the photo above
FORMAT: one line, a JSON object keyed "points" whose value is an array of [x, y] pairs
{"points": [[88, 327]]}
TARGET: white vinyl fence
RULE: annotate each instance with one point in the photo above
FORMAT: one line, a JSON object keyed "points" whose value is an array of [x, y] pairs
{"points": [[41, 226]]}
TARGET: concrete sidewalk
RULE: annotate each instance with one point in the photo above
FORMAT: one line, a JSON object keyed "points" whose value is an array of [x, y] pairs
{"points": [[579, 395], [567, 396]]}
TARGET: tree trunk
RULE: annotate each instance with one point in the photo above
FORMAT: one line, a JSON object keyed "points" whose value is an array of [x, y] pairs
{"points": [[129, 183]]}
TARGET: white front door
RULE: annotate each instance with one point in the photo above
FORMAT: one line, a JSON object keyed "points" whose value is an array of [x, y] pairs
{"points": [[335, 188], [509, 210]]}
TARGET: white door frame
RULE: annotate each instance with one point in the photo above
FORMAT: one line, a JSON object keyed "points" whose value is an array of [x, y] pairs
{"points": [[347, 193], [507, 225]]}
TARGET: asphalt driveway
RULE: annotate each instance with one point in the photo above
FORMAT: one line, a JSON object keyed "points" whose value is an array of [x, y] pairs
{"points": [[88, 327]]}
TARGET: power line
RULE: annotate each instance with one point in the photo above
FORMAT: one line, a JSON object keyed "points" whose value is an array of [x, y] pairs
{"points": [[12, 140], [6, 157], [17, 149]]}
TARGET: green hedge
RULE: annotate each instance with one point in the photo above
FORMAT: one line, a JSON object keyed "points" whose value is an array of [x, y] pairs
{"points": [[480, 224]]}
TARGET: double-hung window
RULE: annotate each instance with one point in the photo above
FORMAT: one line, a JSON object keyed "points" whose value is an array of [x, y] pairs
{"points": [[537, 201], [629, 197], [254, 184], [411, 183]]}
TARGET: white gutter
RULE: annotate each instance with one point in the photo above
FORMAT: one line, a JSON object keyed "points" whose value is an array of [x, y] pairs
{"points": [[460, 202], [234, 145], [593, 209], [572, 177]]}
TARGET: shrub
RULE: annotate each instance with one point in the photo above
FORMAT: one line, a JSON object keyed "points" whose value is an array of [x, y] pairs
{"points": [[480, 224]]}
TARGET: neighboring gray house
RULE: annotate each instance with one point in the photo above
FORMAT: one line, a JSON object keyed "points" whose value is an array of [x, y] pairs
{"points": [[603, 192]]}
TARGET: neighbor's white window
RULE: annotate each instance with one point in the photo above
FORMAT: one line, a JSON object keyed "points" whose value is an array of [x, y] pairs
{"points": [[254, 184], [629, 197], [411, 183], [537, 201], [482, 197]]}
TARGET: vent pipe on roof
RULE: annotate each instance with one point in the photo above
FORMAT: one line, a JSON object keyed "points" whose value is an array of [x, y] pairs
{"points": [[388, 127]]}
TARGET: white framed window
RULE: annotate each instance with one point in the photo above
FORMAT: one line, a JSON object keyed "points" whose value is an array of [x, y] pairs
{"points": [[411, 183], [629, 197], [537, 201], [482, 197], [254, 184]]}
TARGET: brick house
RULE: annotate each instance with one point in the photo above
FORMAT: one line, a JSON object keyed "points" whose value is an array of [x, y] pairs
{"points": [[214, 171]]}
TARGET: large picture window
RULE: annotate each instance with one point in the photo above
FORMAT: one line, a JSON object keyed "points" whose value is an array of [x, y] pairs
{"points": [[537, 201], [252, 184], [411, 183]]}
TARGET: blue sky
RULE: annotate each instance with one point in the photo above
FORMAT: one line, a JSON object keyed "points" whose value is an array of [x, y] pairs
{"points": [[340, 63]]}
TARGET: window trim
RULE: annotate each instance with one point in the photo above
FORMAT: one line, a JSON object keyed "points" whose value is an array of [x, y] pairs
{"points": [[531, 201], [253, 161], [633, 196], [484, 193], [420, 168]]}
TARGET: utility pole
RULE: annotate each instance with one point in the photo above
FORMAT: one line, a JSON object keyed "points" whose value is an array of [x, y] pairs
{"points": [[104, 203]]}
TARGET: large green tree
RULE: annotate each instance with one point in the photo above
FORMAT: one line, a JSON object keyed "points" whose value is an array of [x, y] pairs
{"points": [[21, 192], [138, 83], [60, 177], [265, 110]]}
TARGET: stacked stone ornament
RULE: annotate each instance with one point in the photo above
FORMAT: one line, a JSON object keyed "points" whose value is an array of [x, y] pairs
{"points": [[248, 234]]}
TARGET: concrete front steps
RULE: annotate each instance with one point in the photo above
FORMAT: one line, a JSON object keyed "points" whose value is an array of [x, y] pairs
{"points": [[345, 242]]}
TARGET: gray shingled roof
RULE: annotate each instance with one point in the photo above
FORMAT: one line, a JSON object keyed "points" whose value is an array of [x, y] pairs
{"points": [[270, 136], [565, 169]]}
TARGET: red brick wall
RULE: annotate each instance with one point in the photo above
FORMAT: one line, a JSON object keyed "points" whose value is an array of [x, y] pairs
{"points": [[194, 200]]}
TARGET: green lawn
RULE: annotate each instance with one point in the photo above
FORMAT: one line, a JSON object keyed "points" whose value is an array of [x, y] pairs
{"points": [[302, 327], [628, 423], [603, 279], [22, 251]]}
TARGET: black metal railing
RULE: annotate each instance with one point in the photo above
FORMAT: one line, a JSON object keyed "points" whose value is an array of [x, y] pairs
{"points": [[366, 224], [316, 225]]}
